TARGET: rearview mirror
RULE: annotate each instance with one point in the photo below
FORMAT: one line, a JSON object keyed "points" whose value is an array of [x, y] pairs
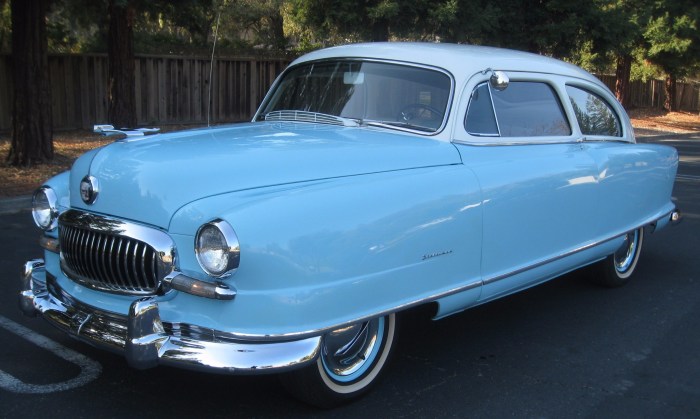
{"points": [[350, 77]]}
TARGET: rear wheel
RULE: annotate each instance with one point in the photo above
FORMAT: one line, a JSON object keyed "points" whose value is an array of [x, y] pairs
{"points": [[351, 361], [616, 269]]}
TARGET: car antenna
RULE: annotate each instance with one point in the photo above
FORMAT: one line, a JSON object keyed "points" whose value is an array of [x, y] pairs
{"points": [[211, 67]]}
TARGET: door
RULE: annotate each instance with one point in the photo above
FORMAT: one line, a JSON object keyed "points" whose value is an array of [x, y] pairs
{"points": [[538, 183]]}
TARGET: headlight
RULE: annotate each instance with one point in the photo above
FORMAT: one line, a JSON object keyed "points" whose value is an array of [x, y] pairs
{"points": [[217, 248], [44, 208]]}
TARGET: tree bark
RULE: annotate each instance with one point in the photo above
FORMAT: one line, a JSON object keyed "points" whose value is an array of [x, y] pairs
{"points": [[670, 90], [622, 79], [276, 21], [121, 110], [379, 31], [32, 129]]}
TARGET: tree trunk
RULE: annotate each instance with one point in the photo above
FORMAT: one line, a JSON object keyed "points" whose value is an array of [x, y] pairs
{"points": [[121, 111], [670, 90], [32, 133], [379, 30], [276, 21], [622, 79]]}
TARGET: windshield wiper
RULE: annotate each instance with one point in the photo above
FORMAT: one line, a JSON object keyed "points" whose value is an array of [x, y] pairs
{"points": [[398, 124], [306, 116]]}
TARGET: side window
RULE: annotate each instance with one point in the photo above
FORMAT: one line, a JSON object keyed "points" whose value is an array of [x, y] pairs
{"points": [[523, 109], [595, 116], [480, 117]]}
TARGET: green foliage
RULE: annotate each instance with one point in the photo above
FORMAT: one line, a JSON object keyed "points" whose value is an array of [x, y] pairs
{"points": [[195, 17], [586, 57], [643, 69], [74, 26], [551, 27], [256, 24], [5, 27], [328, 22], [673, 37], [77, 26], [661, 35]]}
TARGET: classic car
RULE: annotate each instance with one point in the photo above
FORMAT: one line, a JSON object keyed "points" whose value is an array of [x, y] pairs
{"points": [[373, 178]]}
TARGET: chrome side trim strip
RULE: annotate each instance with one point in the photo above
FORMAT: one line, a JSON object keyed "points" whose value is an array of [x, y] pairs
{"points": [[572, 252], [471, 285], [547, 261], [193, 333], [509, 143], [321, 331]]}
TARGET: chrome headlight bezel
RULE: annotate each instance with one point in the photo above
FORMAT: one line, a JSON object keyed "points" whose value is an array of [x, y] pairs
{"points": [[44, 208], [226, 262]]}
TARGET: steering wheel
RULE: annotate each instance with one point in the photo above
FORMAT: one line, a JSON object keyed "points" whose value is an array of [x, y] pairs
{"points": [[419, 111]]}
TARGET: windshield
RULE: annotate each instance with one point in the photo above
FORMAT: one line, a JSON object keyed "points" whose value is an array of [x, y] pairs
{"points": [[365, 92]]}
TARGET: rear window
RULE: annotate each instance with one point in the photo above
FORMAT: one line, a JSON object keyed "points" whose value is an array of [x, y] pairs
{"points": [[595, 116], [523, 109]]}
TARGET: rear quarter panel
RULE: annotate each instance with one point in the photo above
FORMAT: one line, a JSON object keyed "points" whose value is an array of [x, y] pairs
{"points": [[635, 183]]}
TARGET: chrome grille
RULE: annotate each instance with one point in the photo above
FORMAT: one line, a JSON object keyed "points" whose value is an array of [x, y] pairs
{"points": [[109, 254]]}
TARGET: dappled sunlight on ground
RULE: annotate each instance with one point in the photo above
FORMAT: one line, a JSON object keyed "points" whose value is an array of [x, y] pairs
{"points": [[656, 120]]}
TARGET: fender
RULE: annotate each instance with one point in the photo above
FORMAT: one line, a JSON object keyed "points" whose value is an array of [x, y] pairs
{"points": [[329, 252]]}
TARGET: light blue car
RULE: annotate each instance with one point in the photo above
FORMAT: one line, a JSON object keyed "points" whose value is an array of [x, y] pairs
{"points": [[373, 178]]}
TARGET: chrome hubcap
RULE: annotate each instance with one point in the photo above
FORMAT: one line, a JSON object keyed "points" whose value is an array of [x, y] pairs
{"points": [[349, 351], [624, 257]]}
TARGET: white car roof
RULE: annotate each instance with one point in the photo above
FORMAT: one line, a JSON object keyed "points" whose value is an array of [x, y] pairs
{"points": [[460, 60]]}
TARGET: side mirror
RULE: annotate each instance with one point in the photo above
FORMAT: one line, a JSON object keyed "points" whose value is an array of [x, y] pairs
{"points": [[499, 80]]}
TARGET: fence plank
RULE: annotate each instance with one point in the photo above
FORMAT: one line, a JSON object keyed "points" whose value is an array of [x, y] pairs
{"points": [[6, 93], [84, 112], [70, 87]]}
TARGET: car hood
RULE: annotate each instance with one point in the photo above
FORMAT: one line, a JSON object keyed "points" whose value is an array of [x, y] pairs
{"points": [[150, 178]]}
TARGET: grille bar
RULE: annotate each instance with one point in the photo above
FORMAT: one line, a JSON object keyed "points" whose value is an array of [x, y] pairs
{"points": [[113, 255], [92, 256]]}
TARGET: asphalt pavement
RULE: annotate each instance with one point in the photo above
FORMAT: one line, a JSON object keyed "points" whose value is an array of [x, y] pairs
{"points": [[563, 349]]}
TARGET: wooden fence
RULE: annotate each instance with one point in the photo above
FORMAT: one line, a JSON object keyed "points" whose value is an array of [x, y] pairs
{"points": [[174, 90], [169, 90], [651, 94]]}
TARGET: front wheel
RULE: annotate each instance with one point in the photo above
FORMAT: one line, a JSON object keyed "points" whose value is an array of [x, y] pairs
{"points": [[351, 361], [616, 269]]}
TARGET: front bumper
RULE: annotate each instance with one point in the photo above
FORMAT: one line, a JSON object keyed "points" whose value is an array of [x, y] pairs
{"points": [[147, 341]]}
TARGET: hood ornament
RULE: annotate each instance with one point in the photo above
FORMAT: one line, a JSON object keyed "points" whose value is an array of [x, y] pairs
{"points": [[126, 134], [89, 189]]}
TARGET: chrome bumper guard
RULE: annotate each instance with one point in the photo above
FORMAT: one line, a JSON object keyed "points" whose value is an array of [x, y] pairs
{"points": [[146, 341], [676, 217]]}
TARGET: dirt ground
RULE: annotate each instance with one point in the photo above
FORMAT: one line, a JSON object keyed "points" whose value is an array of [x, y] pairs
{"points": [[658, 120], [69, 145]]}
